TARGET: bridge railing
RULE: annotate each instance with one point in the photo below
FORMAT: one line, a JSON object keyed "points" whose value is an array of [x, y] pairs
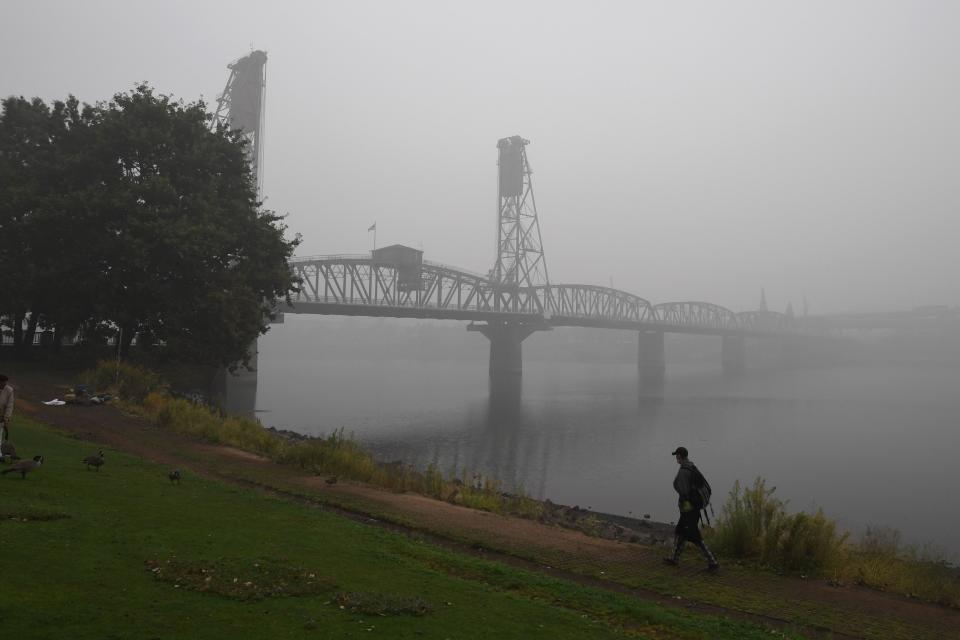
{"points": [[329, 258], [697, 314], [592, 302]]}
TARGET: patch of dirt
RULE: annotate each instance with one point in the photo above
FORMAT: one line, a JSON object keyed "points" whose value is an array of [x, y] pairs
{"points": [[436, 515], [233, 453]]}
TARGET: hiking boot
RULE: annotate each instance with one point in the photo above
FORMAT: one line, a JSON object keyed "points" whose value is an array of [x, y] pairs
{"points": [[670, 561], [713, 567]]}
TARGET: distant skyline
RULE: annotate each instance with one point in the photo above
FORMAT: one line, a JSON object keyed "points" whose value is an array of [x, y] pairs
{"points": [[695, 151]]}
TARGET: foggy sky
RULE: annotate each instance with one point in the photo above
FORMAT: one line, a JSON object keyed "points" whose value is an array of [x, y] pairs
{"points": [[697, 150]]}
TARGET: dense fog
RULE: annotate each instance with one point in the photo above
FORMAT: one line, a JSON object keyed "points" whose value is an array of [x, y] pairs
{"points": [[746, 154], [700, 151]]}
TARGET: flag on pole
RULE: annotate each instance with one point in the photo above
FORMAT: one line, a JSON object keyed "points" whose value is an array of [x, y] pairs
{"points": [[373, 227]]}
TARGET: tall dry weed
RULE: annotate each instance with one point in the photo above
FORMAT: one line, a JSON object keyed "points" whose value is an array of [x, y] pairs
{"points": [[755, 524]]}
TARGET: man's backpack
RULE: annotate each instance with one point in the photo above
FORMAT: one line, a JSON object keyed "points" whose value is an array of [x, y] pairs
{"points": [[702, 492]]}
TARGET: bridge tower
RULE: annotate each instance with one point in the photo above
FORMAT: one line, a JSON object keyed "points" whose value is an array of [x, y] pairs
{"points": [[240, 106], [521, 264], [520, 258]]}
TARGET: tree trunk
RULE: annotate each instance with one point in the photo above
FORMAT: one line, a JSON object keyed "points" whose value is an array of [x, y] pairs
{"points": [[124, 339], [145, 340], [128, 335], [31, 330], [18, 331], [57, 338]]}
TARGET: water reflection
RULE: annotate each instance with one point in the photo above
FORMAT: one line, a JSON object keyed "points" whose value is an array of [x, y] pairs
{"points": [[648, 407], [505, 442], [504, 400]]}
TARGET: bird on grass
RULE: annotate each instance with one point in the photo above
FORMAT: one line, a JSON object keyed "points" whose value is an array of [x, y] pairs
{"points": [[96, 461], [23, 467], [174, 476]]}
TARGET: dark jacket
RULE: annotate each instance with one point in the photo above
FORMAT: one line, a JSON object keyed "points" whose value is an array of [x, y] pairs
{"points": [[683, 483]]}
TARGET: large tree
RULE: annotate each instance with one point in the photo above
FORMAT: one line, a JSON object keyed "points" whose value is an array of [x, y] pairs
{"points": [[42, 180], [136, 215]]}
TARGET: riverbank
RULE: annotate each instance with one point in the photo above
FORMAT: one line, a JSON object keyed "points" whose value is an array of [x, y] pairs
{"points": [[629, 569], [796, 428]]}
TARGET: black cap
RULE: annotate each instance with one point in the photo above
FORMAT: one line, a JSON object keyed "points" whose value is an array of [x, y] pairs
{"points": [[681, 451]]}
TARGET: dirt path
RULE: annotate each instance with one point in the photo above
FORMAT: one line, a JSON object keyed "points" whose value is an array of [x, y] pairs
{"points": [[509, 538]]}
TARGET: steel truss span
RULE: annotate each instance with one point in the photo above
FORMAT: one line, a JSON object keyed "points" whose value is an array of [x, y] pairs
{"points": [[697, 314], [356, 285]]}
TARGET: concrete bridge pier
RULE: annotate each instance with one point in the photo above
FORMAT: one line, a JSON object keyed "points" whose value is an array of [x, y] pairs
{"points": [[651, 358], [236, 393], [506, 350], [733, 355]]}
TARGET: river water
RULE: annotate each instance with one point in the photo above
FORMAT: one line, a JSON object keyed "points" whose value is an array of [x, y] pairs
{"points": [[872, 444]]}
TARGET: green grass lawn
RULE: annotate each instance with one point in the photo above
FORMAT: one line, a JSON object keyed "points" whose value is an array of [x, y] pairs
{"points": [[123, 553]]}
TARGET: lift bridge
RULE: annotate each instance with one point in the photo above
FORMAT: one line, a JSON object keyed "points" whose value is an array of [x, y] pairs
{"points": [[516, 298]]}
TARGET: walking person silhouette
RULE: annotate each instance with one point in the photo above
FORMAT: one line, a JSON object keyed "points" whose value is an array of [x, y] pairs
{"points": [[690, 501]]}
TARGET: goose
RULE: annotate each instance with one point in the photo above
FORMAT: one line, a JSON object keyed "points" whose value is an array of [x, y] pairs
{"points": [[96, 461], [23, 467]]}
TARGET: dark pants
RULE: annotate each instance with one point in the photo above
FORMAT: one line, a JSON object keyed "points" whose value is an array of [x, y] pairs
{"points": [[688, 530], [688, 527]]}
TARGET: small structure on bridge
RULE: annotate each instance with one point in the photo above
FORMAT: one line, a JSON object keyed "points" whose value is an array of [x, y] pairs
{"points": [[407, 261]]}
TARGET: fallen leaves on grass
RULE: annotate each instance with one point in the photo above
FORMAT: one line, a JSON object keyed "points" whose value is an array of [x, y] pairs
{"points": [[33, 516], [240, 579], [382, 604]]}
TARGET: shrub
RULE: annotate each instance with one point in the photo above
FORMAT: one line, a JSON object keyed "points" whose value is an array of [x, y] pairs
{"points": [[810, 543], [524, 506], [484, 494], [881, 561], [202, 422], [748, 517], [126, 381], [755, 524], [335, 455]]}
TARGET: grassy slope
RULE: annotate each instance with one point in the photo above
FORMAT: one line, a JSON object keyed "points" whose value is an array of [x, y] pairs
{"points": [[84, 575], [741, 587]]}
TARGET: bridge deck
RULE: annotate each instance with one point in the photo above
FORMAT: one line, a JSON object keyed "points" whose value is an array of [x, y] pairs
{"points": [[356, 285], [359, 286]]}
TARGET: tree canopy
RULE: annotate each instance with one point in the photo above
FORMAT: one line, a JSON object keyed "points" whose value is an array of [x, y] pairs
{"points": [[134, 214]]}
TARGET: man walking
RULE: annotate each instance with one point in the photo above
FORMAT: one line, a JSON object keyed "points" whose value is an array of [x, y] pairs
{"points": [[688, 527], [6, 408]]}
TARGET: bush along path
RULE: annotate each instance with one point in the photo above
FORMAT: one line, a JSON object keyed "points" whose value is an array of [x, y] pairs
{"points": [[809, 608]]}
